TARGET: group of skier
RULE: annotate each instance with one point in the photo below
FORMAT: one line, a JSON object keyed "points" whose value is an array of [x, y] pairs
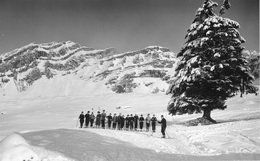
{"points": [[120, 122]]}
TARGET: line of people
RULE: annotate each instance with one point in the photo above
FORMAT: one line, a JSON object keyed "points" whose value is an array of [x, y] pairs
{"points": [[120, 122]]}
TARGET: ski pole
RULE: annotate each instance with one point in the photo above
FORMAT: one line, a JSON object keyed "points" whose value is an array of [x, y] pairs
{"points": [[167, 134]]}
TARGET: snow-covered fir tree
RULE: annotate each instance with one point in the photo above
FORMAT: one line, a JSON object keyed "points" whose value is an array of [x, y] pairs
{"points": [[212, 67]]}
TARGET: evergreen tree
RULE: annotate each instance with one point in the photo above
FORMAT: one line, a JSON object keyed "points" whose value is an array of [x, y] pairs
{"points": [[212, 67]]}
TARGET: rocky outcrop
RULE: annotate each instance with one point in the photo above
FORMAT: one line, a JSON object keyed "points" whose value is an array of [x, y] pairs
{"points": [[118, 71]]}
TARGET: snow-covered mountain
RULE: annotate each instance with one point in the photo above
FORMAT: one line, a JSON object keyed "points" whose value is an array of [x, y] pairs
{"points": [[67, 68]]}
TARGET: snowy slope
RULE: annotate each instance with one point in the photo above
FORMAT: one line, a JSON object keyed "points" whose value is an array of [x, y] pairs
{"points": [[65, 69], [49, 126]]}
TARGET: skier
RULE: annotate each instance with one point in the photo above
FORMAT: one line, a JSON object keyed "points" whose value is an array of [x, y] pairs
{"points": [[81, 119], [98, 117], [114, 119], [92, 118], [122, 121], [131, 120], [141, 122], [154, 119], [127, 122], [136, 118], [109, 120], [87, 116], [119, 122], [103, 119], [148, 120], [163, 126]]}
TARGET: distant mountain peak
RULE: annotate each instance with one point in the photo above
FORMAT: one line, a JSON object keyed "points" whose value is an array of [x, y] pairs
{"points": [[84, 70]]}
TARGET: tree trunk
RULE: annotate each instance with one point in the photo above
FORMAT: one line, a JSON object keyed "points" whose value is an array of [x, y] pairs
{"points": [[206, 115]]}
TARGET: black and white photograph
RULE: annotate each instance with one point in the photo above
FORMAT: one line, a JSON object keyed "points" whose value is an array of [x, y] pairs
{"points": [[129, 80]]}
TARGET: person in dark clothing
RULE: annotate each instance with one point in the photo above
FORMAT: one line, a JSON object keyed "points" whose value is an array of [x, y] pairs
{"points": [[92, 118], [98, 119], [119, 121], [114, 119], [163, 126], [141, 122], [154, 119], [109, 120], [131, 120], [87, 119], [148, 121], [122, 121], [81, 119], [136, 118], [127, 122], [103, 119]]}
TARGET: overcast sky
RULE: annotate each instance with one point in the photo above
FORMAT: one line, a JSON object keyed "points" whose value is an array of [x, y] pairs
{"points": [[123, 24]]}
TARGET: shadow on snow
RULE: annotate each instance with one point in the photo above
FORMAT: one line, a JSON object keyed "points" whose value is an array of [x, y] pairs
{"points": [[83, 145]]}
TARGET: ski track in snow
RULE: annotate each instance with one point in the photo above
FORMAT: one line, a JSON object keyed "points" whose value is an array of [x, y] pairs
{"points": [[145, 140]]}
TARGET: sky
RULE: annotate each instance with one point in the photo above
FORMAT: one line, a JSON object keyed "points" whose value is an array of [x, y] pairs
{"points": [[126, 25]]}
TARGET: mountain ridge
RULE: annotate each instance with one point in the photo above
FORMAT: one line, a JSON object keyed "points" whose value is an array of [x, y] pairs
{"points": [[104, 70]]}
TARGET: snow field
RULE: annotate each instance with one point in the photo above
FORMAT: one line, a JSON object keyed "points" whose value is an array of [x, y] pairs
{"points": [[40, 121], [46, 155], [145, 140], [104, 144]]}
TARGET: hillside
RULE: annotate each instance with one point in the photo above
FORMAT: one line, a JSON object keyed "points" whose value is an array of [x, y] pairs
{"points": [[67, 68]]}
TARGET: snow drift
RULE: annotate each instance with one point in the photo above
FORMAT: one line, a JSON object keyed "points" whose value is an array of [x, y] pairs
{"points": [[15, 148]]}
